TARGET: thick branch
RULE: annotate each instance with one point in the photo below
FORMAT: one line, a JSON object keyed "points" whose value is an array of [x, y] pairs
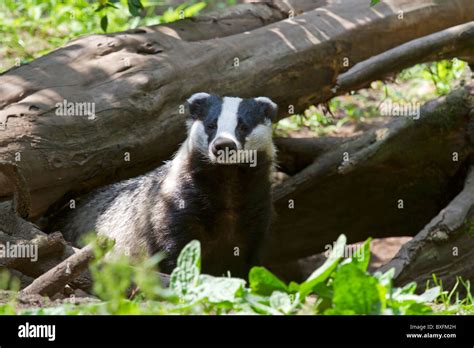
{"points": [[444, 247], [57, 277], [457, 41]]}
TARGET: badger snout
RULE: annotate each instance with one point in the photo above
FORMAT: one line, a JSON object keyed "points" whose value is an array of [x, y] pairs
{"points": [[222, 145]]}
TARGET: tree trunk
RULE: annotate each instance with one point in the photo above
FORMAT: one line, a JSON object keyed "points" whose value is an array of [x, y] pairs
{"points": [[138, 79]]}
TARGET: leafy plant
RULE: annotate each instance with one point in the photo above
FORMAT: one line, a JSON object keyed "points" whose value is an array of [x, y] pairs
{"points": [[340, 286], [32, 28]]}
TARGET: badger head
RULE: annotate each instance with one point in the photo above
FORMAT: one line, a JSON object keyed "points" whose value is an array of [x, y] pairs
{"points": [[224, 125]]}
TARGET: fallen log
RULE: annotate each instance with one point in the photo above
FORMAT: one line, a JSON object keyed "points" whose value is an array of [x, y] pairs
{"points": [[387, 182], [457, 42], [444, 247], [41, 251]]}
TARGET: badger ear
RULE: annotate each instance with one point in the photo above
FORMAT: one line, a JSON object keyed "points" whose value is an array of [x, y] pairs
{"points": [[270, 109], [197, 104]]}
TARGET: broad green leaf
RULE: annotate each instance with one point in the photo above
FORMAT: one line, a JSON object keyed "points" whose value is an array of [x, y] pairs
{"points": [[430, 295], [264, 282], [323, 290], [182, 281], [190, 255], [186, 274], [281, 301], [355, 290], [293, 287], [219, 289], [260, 304], [417, 309], [323, 272], [362, 256], [385, 279]]}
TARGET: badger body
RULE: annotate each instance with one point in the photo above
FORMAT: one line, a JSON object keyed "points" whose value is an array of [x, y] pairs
{"points": [[226, 205]]}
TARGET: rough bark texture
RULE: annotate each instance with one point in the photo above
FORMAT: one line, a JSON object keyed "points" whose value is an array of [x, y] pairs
{"points": [[409, 160], [137, 80], [445, 246]]}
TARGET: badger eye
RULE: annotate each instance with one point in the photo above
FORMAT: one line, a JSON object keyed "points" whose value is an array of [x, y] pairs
{"points": [[212, 126], [243, 128]]}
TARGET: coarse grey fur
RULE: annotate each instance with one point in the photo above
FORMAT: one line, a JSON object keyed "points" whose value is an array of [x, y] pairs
{"points": [[226, 206]]}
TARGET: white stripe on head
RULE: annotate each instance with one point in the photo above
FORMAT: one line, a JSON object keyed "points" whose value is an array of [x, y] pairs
{"points": [[227, 121]]}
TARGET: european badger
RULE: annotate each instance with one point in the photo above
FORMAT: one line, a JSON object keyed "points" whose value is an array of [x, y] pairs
{"points": [[200, 194]]}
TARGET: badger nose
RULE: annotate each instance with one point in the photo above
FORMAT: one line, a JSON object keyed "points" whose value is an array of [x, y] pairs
{"points": [[221, 144]]}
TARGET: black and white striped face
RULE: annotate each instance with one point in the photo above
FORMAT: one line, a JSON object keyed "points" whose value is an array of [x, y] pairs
{"points": [[220, 125]]}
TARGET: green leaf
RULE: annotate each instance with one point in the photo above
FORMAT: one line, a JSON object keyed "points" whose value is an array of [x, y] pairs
{"points": [[430, 295], [355, 290], [323, 272], [374, 2], [104, 23], [362, 257], [264, 282], [186, 274], [109, 4], [194, 9], [323, 290], [134, 6], [417, 309], [281, 301], [293, 287], [385, 279], [219, 289], [190, 255]]}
